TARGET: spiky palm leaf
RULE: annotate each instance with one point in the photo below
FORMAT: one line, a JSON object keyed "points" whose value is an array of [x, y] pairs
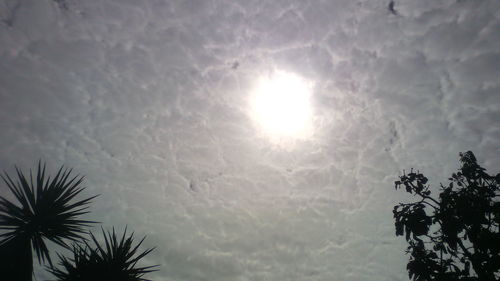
{"points": [[46, 210], [112, 261]]}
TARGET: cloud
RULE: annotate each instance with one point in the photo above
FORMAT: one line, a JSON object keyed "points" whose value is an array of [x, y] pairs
{"points": [[142, 98]]}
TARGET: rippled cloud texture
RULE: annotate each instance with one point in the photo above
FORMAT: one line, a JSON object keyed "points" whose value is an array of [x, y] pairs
{"points": [[150, 100]]}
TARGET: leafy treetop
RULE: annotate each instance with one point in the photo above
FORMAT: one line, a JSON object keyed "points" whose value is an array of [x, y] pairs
{"points": [[455, 236]]}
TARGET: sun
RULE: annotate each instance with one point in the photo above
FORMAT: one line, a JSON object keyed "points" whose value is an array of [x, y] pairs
{"points": [[281, 107]]}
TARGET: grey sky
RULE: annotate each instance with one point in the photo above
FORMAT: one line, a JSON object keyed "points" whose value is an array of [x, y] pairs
{"points": [[150, 101]]}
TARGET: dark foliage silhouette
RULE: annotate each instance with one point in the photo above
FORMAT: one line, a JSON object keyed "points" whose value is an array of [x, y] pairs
{"points": [[46, 210], [113, 260], [455, 236]]}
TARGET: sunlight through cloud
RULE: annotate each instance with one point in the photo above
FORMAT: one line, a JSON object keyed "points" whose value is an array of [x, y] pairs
{"points": [[281, 107]]}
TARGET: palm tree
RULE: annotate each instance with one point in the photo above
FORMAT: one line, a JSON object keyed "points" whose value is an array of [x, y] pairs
{"points": [[109, 262], [45, 211]]}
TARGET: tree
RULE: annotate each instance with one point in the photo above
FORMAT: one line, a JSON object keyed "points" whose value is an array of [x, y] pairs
{"points": [[112, 261], [46, 210], [455, 236]]}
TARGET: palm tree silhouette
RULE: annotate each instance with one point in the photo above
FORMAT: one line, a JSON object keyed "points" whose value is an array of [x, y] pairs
{"points": [[45, 211], [112, 261]]}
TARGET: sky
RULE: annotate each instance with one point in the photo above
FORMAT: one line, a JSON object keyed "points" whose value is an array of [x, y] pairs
{"points": [[164, 107]]}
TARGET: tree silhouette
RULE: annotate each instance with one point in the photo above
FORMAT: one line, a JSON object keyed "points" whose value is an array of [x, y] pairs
{"points": [[455, 236], [112, 261], [46, 210]]}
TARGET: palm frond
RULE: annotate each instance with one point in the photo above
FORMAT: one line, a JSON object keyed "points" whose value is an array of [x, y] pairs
{"points": [[45, 209], [116, 259]]}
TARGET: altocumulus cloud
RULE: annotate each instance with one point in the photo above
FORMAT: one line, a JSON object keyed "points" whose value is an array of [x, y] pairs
{"points": [[150, 100]]}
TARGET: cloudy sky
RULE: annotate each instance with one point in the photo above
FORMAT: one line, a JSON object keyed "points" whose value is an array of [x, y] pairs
{"points": [[251, 140]]}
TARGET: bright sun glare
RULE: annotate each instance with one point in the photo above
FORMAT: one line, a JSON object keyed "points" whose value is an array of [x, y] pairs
{"points": [[281, 105]]}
